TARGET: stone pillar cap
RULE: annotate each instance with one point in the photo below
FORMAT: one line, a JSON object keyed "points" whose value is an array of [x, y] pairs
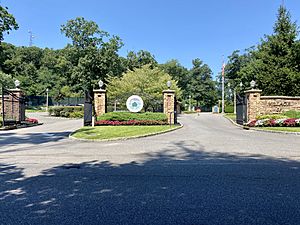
{"points": [[99, 90], [253, 91], [15, 90], [168, 91]]}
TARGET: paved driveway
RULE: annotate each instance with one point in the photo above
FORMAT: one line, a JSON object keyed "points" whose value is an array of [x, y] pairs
{"points": [[209, 172]]}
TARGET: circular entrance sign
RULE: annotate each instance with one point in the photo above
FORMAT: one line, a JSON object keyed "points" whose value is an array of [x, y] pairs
{"points": [[134, 103]]}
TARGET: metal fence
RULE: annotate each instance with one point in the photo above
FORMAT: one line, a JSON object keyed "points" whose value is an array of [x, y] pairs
{"points": [[37, 101], [241, 109]]}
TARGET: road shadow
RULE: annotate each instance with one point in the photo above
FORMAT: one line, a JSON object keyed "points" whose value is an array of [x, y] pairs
{"points": [[11, 139], [189, 187]]}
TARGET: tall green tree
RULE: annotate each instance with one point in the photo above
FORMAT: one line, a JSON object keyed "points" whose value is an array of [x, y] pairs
{"points": [[201, 86], [93, 52], [178, 73], [237, 61], [275, 64]]}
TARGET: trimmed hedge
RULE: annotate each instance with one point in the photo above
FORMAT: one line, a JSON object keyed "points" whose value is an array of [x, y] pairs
{"points": [[285, 115], [127, 116], [271, 116], [130, 123], [292, 114], [66, 111]]}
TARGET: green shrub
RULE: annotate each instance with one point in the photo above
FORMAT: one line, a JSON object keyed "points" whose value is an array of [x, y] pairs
{"points": [[292, 114], [229, 109], [76, 114], [271, 116], [125, 116], [66, 111]]}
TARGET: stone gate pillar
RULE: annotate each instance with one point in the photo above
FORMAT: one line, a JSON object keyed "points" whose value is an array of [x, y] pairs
{"points": [[253, 103], [100, 102], [15, 105], [169, 105]]}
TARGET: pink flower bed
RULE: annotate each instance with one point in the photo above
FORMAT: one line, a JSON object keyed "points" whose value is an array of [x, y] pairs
{"points": [[31, 120], [274, 123]]}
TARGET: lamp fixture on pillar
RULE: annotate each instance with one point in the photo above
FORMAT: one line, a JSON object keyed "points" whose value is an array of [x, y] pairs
{"points": [[17, 83], [100, 83], [252, 84], [169, 83]]}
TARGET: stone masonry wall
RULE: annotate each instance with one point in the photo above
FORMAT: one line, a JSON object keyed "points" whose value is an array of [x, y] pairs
{"points": [[278, 104], [258, 105]]}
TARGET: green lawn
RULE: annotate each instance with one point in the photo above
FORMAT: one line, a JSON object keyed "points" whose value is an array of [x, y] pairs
{"points": [[231, 116], [34, 110], [289, 129], [112, 132]]}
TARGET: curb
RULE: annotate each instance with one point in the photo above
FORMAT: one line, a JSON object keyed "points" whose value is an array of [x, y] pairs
{"points": [[233, 122], [20, 127], [124, 138], [275, 131]]}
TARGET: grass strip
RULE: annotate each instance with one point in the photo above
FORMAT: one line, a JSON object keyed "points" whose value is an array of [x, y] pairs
{"points": [[112, 132], [231, 116]]}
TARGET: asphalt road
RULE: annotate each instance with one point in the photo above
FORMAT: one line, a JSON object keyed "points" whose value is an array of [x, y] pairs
{"points": [[209, 172]]}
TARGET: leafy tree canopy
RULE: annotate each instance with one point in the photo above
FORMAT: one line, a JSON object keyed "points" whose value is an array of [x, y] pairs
{"points": [[139, 59], [145, 82], [7, 22], [93, 57], [83, 33], [178, 73]]}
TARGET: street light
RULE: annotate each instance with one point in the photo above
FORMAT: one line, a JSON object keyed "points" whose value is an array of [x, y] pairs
{"points": [[115, 105]]}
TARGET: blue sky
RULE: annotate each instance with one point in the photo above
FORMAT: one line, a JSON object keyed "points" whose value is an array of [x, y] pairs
{"points": [[169, 29]]}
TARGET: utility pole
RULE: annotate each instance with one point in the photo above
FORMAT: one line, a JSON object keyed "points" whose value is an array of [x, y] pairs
{"points": [[223, 88], [3, 107], [30, 38], [47, 100], [234, 101]]}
